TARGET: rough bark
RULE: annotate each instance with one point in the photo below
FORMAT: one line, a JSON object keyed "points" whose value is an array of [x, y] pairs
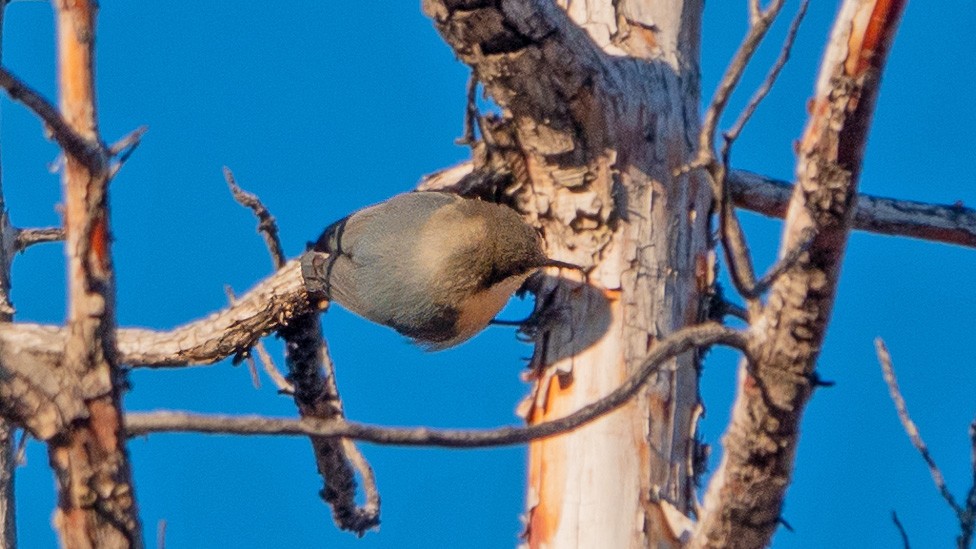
{"points": [[8, 462], [599, 107], [950, 223], [96, 503], [743, 501]]}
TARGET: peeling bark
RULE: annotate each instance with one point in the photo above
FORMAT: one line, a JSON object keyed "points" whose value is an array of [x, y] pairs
{"points": [[96, 504], [599, 107], [744, 498]]}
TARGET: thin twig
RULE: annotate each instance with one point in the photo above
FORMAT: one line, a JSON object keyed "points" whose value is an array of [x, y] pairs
{"points": [[20, 456], [248, 358], [470, 111], [758, 28], [967, 521], [730, 231], [266, 222], [284, 386], [910, 428], [124, 148], [161, 534], [783, 264], [784, 55], [901, 530], [89, 153], [25, 238], [370, 509], [252, 369], [316, 396], [677, 343]]}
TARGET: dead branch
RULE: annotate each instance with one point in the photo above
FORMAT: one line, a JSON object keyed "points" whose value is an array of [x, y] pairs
{"points": [[280, 382], [264, 309], [901, 530], [737, 256], [96, 500], [784, 55], [266, 222], [316, 394], [89, 153], [8, 450], [123, 149], [683, 340], [966, 515], [745, 495], [949, 224], [884, 358], [25, 238], [317, 398], [762, 194]]}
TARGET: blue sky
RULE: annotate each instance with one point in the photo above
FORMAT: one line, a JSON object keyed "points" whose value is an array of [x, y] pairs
{"points": [[321, 111]]}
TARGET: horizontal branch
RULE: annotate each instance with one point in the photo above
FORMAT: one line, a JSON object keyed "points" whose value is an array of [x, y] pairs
{"points": [[26, 238], [949, 224], [952, 224], [232, 331], [679, 342]]}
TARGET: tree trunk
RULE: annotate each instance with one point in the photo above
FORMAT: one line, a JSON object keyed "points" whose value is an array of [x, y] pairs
{"points": [[600, 108]]}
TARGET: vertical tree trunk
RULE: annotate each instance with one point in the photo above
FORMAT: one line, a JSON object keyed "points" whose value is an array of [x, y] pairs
{"points": [[608, 484], [600, 107], [96, 504]]}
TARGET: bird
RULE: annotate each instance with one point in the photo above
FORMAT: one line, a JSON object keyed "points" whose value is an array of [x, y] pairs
{"points": [[432, 265]]}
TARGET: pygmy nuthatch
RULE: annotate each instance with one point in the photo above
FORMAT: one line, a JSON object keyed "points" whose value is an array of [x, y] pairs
{"points": [[433, 266]]}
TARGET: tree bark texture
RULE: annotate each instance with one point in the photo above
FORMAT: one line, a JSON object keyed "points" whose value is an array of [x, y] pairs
{"points": [[96, 503], [599, 108], [744, 498]]}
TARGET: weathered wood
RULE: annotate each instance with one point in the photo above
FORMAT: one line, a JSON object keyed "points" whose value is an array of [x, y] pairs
{"points": [[600, 106], [744, 498], [96, 503]]}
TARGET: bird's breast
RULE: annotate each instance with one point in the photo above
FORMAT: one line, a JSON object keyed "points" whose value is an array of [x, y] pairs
{"points": [[481, 307]]}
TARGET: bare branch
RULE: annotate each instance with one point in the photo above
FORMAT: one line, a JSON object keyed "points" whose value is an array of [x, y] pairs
{"points": [[792, 256], [124, 148], [284, 386], [967, 515], [679, 342], [967, 521], [767, 85], [9, 450], [745, 495], [949, 224], [96, 497], [266, 222], [89, 153], [470, 112], [758, 27], [884, 358], [267, 307], [8, 464], [161, 534], [762, 194], [734, 244], [25, 238], [271, 304], [901, 530], [316, 395]]}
